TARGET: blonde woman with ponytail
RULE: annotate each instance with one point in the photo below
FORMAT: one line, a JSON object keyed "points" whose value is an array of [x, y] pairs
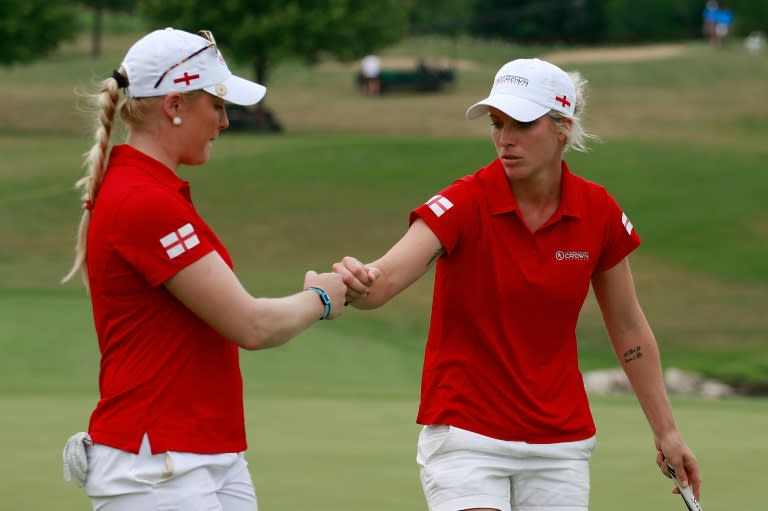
{"points": [[106, 101], [506, 420], [170, 315]]}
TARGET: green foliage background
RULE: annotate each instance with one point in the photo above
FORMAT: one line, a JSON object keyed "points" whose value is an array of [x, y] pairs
{"points": [[31, 29]]}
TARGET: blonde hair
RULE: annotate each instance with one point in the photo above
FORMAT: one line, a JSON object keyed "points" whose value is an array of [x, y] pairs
{"points": [[576, 135], [95, 161], [105, 102], [132, 111]]}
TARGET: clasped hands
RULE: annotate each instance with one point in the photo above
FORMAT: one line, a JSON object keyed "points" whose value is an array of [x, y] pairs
{"points": [[349, 281]]}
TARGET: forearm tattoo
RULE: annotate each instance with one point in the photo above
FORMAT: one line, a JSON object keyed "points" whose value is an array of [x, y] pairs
{"points": [[434, 257], [633, 354]]}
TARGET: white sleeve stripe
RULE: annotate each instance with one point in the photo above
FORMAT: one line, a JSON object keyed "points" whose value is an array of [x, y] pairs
{"points": [[175, 251], [439, 205], [436, 209], [627, 224], [169, 239], [192, 241], [186, 230]]}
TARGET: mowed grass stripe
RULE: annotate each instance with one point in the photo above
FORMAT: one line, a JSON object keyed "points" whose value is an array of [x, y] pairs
{"points": [[326, 453], [285, 204]]}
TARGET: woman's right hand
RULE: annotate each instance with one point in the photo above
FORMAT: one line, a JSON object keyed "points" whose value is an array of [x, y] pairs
{"points": [[357, 276], [333, 285]]}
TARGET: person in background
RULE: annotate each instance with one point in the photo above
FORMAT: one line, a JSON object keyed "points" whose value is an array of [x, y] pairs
{"points": [[709, 21], [516, 244], [370, 69], [755, 42], [168, 432], [426, 77], [723, 23]]}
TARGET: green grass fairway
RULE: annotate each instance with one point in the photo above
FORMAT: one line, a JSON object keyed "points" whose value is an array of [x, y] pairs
{"points": [[330, 415], [290, 203], [331, 453]]}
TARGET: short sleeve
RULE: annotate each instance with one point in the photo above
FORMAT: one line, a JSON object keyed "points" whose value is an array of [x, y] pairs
{"points": [[158, 233], [448, 213], [621, 237]]}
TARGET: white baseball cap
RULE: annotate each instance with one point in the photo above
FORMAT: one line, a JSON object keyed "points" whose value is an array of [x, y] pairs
{"points": [[526, 89], [171, 60]]}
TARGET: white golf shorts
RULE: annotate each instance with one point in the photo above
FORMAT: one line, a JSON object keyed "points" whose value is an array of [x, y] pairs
{"points": [[170, 481], [465, 470]]}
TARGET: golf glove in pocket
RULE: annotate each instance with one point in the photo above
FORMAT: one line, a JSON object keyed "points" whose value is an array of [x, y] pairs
{"points": [[76, 458]]}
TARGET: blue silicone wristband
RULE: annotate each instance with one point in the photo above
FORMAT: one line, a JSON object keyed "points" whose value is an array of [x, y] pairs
{"points": [[323, 298]]}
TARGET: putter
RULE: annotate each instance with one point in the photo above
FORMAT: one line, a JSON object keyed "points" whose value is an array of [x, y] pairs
{"points": [[686, 493]]}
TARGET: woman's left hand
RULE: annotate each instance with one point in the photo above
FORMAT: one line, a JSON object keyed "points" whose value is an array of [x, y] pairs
{"points": [[672, 450]]}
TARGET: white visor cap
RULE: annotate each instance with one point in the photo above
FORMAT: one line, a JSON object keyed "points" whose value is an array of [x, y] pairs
{"points": [[171, 60], [526, 89]]}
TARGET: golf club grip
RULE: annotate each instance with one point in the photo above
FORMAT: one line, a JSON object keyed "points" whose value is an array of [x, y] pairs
{"points": [[686, 493]]}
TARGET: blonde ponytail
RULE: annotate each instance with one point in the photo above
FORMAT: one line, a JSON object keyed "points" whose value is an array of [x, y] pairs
{"points": [[95, 162]]}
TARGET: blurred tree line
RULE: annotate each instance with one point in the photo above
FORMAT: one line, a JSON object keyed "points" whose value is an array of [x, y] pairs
{"points": [[578, 21], [263, 32], [32, 28]]}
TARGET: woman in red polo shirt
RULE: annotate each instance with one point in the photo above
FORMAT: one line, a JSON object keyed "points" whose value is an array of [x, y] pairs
{"points": [[168, 431], [507, 424]]}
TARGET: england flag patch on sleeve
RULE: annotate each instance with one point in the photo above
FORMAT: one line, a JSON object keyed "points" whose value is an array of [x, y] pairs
{"points": [[439, 205], [627, 224], [179, 241]]}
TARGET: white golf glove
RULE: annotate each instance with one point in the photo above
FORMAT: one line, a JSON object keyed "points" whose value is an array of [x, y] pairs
{"points": [[76, 458]]}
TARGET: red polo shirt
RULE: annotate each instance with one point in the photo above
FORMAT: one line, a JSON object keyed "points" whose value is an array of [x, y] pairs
{"points": [[163, 371], [501, 356]]}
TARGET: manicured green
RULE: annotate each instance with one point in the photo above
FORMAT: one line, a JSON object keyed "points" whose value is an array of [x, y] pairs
{"points": [[328, 453]]}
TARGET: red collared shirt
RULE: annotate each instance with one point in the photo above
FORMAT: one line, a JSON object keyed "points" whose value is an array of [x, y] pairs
{"points": [[163, 371], [501, 357]]}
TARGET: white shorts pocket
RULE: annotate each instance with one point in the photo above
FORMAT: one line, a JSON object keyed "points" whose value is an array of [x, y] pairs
{"points": [[431, 439]]}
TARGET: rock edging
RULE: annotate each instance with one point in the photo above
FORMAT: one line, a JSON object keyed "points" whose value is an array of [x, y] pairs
{"points": [[677, 381]]}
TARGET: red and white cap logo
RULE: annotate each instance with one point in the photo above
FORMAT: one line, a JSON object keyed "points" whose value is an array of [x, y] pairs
{"points": [[170, 60], [526, 89]]}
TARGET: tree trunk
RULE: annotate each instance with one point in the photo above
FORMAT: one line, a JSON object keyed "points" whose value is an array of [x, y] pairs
{"points": [[97, 30], [260, 73]]}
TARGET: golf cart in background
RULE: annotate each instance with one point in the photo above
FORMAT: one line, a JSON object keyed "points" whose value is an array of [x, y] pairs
{"points": [[421, 78], [252, 118]]}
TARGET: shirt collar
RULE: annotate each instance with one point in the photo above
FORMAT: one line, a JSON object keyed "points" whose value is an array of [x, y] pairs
{"points": [[570, 203], [502, 200], [127, 155]]}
